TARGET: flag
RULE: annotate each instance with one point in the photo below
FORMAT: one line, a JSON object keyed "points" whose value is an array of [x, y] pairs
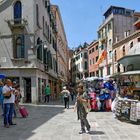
{"points": [[102, 57]]}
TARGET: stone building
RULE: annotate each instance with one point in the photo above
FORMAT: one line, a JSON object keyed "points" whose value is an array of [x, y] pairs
{"points": [[62, 49], [80, 63], [118, 24], [125, 46], [28, 42]]}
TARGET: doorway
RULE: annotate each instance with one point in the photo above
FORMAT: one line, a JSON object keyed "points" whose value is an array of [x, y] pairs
{"points": [[27, 90]]}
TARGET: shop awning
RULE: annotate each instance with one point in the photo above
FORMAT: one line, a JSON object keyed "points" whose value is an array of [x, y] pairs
{"points": [[137, 72]]}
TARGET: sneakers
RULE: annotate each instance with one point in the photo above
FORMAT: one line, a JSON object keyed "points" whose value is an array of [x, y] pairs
{"points": [[13, 124], [82, 131], [88, 130]]}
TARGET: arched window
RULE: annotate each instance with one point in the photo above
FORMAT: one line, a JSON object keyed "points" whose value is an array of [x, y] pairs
{"points": [[17, 12], [123, 50], [20, 50], [131, 44], [39, 48]]}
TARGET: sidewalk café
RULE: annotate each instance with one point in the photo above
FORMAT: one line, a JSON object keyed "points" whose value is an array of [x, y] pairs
{"points": [[128, 103]]}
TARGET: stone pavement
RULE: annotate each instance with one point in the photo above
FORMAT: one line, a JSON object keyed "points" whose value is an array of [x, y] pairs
{"points": [[53, 122]]}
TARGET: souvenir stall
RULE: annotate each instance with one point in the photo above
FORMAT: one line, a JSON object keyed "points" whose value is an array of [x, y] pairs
{"points": [[101, 93], [128, 103]]}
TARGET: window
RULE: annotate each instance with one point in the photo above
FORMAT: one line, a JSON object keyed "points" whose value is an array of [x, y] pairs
{"points": [[102, 47], [97, 47], [45, 56], [17, 12], [101, 72], [85, 55], [110, 54], [115, 55], [92, 49], [97, 73], [90, 61], [43, 22], [99, 35], [86, 65], [49, 59], [123, 50], [37, 15], [110, 42], [19, 51], [39, 49], [109, 26], [131, 45], [138, 39], [108, 70], [89, 51], [96, 58], [93, 61], [92, 74], [46, 3]]}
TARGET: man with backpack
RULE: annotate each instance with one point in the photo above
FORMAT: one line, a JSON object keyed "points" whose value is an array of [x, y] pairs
{"points": [[66, 94]]}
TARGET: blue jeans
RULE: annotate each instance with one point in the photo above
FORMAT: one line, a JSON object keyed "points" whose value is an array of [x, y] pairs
{"points": [[1, 103], [8, 112]]}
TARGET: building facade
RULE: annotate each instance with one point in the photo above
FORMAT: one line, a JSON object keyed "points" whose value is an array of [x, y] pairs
{"points": [[121, 48], [62, 49], [28, 42], [118, 24], [80, 63], [93, 55]]}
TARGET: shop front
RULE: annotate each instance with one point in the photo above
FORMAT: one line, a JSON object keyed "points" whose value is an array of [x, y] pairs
{"points": [[31, 80], [128, 103]]}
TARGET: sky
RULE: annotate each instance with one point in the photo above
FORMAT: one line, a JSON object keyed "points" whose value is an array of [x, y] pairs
{"points": [[81, 18]]}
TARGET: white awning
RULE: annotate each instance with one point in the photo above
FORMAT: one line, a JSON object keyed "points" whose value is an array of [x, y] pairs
{"points": [[137, 72]]}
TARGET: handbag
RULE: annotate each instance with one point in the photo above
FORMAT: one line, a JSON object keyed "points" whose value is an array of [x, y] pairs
{"points": [[87, 106]]}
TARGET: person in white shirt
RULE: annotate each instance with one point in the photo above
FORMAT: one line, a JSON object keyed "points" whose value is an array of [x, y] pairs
{"points": [[9, 100], [66, 95]]}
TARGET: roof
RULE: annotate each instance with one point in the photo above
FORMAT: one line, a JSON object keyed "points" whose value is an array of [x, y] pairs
{"points": [[112, 7]]}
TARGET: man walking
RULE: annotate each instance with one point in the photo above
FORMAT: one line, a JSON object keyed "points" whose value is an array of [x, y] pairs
{"points": [[66, 94], [9, 100], [47, 93], [82, 107]]}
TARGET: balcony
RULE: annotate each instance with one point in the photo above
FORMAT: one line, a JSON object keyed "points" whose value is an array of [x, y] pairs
{"points": [[17, 23]]}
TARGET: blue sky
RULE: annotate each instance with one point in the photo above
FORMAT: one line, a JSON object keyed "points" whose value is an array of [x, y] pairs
{"points": [[81, 18]]}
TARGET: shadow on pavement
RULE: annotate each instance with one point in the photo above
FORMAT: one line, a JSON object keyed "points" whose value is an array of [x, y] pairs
{"points": [[96, 133], [26, 127]]}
